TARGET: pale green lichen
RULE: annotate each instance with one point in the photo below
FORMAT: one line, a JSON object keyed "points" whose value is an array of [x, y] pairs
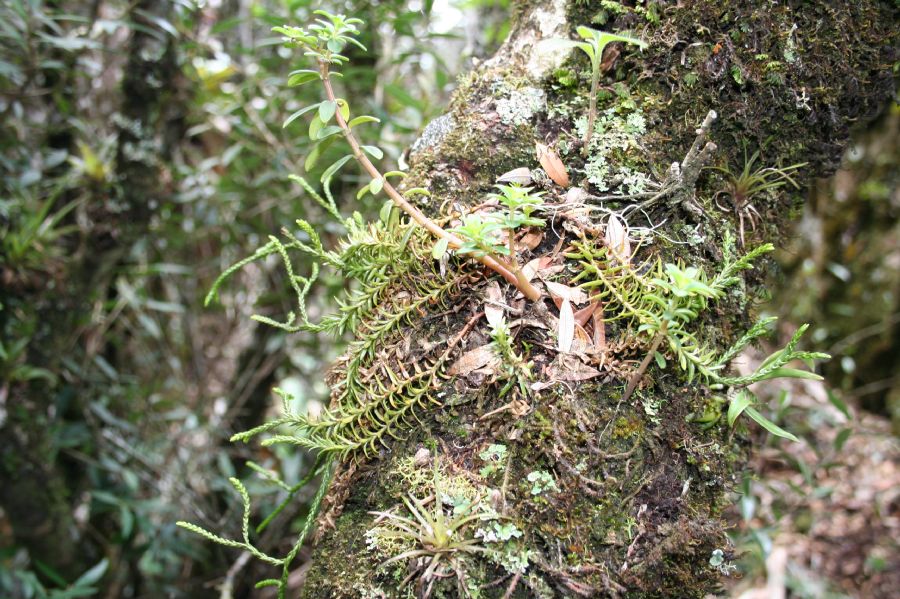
{"points": [[541, 481], [518, 106], [616, 136], [494, 457]]}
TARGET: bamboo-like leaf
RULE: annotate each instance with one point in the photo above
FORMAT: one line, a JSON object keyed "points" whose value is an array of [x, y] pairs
{"points": [[738, 404], [769, 425]]}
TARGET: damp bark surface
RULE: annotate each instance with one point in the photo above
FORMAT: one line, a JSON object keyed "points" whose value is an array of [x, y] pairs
{"points": [[638, 487]]}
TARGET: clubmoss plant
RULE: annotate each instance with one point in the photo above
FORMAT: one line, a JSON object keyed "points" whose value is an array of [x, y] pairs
{"points": [[659, 301]]}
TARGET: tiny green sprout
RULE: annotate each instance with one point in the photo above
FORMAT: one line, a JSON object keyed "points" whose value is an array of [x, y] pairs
{"points": [[516, 370], [480, 235], [593, 45]]}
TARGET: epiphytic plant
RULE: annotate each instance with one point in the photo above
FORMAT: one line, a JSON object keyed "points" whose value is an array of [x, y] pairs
{"points": [[750, 183], [324, 42], [593, 45], [481, 235], [661, 301]]}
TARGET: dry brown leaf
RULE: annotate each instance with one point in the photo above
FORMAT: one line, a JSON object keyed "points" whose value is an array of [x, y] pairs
{"points": [[599, 330], [492, 311], [570, 368], [581, 342], [566, 332], [576, 295], [531, 240], [617, 239], [582, 316], [520, 176], [554, 167], [479, 357]]}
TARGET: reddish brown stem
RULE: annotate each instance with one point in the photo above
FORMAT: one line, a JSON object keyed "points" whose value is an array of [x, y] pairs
{"points": [[637, 376], [529, 290]]}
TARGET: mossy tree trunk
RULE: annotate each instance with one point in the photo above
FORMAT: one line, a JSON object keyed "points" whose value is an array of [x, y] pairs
{"points": [[639, 488]]}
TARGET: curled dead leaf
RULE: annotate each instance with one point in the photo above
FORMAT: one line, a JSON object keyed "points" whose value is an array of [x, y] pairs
{"points": [[617, 239], [566, 332], [520, 176], [576, 295], [551, 163], [479, 357]]}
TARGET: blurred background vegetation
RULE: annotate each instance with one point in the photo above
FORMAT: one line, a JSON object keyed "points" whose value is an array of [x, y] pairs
{"points": [[142, 152]]}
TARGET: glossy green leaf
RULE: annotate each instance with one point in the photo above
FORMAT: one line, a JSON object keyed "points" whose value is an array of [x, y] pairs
{"points": [[376, 153], [315, 125], [362, 119], [326, 110], [298, 114], [417, 191], [302, 77], [331, 170], [376, 185], [328, 131]]}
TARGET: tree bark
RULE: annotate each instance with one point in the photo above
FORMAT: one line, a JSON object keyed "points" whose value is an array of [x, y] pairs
{"points": [[641, 489]]}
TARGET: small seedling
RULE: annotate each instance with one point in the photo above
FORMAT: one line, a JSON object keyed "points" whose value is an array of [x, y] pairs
{"points": [[593, 45], [482, 235]]}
